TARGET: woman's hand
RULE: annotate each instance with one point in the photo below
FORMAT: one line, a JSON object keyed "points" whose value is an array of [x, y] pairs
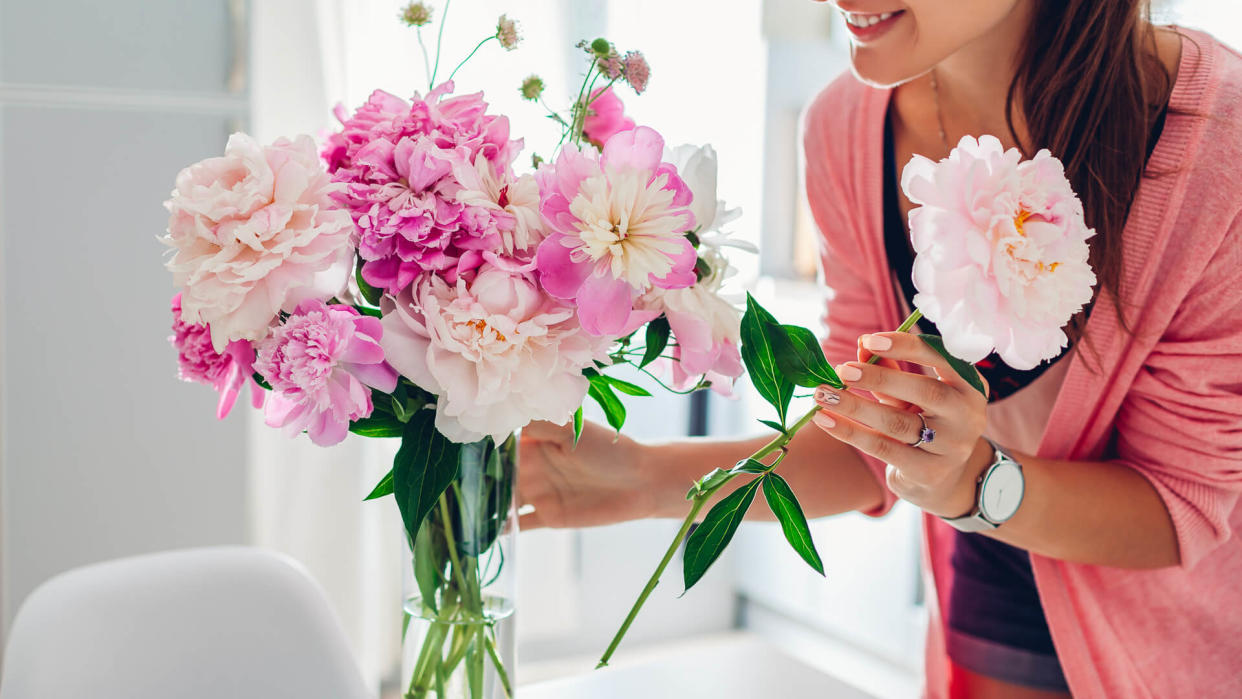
{"points": [[597, 482], [938, 476]]}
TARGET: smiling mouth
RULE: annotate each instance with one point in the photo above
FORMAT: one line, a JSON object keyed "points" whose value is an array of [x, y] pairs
{"points": [[867, 26]]}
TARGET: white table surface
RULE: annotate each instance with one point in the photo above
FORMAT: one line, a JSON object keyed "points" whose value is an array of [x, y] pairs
{"points": [[741, 667]]}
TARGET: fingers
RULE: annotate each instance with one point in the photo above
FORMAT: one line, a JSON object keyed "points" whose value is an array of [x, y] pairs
{"points": [[874, 443], [932, 396], [910, 348], [548, 432], [864, 354], [900, 425]]}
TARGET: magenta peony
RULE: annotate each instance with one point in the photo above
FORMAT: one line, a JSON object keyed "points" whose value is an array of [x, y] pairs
{"points": [[618, 224], [1001, 251], [255, 232], [319, 362], [498, 352], [396, 161], [198, 361], [605, 117]]}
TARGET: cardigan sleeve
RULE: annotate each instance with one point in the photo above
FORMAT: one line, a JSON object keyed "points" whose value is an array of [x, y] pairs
{"points": [[851, 308], [1180, 424]]}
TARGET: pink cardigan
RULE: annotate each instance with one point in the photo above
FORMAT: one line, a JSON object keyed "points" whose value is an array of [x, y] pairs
{"points": [[1167, 401]]}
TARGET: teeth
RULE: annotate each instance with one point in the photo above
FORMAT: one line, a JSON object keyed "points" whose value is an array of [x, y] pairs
{"points": [[866, 20]]}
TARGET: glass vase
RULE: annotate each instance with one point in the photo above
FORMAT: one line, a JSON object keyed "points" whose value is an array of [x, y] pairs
{"points": [[459, 639]]}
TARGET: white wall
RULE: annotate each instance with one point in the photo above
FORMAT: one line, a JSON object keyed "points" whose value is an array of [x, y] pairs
{"points": [[104, 452]]}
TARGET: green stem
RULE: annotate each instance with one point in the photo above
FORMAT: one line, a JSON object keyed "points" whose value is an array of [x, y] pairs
{"points": [[471, 55], [778, 443], [903, 328], [439, 42], [699, 501], [426, 63], [500, 666]]}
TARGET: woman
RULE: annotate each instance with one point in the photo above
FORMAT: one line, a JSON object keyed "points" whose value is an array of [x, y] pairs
{"points": [[1115, 574]]}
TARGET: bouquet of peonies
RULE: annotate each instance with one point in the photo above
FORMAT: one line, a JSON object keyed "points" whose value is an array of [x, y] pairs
{"points": [[405, 281]]}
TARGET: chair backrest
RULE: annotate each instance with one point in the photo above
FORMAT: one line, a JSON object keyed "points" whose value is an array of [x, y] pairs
{"points": [[214, 623]]}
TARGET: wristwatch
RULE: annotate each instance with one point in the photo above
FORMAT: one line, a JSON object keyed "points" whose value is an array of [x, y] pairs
{"points": [[1000, 488]]}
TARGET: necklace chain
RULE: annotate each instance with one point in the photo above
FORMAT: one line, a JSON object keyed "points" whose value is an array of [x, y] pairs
{"points": [[944, 140]]}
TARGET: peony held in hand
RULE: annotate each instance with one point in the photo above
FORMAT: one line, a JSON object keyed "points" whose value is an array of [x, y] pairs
{"points": [[1001, 251]]}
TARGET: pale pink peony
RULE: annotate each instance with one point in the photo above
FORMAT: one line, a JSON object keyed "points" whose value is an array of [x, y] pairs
{"points": [[617, 226], [198, 361], [319, 362], [497, 352], [255, 232], [396, 161], [605, 117], [1001, 251], [510, 205]]}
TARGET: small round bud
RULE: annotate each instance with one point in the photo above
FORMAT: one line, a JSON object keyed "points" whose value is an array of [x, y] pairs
{"points": [[416, 14], [506, 32], [532, 88], [601, 47]]}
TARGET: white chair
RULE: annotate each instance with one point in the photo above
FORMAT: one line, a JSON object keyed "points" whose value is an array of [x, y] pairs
{"points": [[214, 623]]}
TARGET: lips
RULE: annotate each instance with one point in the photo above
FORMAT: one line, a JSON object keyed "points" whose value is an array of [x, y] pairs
{"points": [[868, 26]]}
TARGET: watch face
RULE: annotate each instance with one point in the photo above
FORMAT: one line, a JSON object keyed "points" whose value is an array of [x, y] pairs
{"points": [[1001, 491]]}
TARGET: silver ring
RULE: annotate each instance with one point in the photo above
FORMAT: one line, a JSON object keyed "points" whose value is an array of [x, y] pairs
{"points": [[926, 434]]}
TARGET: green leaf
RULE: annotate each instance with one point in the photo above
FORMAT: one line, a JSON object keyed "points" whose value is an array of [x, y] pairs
{"points": [[774, 425], [370, 293], [601, 392], [424, 467], [657, 339], [383, 488], [710, 481], [788, 512], [429, 562], [965, 370], [760, 363], [367, 311], [800, 357], [626, 387], [577, 425], [750, 466], [378, 425], [711, 537], [263, 384]]}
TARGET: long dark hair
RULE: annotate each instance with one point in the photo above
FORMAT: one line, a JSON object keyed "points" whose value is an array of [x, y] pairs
{"points": [[1090, 87]]}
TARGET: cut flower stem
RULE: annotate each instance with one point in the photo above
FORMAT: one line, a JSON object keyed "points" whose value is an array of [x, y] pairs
{"points": [[779, 443]]}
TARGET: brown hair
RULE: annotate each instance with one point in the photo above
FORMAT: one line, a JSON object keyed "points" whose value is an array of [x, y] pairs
{"points": [[1091, 87]]}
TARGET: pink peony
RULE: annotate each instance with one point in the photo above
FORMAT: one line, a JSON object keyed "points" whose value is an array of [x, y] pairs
{"points": [[1001, 251], [396, 162], [617, 226], [319, 363], [605, 117], [497, 351], [255, 232], [198, 361]]}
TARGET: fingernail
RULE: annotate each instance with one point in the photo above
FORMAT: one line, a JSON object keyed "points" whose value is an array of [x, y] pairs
{"points": [[877, 343], [827, 396], [824, 420], [849, 373]]}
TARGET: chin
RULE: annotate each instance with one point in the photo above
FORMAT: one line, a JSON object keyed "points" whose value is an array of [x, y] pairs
{"points": [[883, 70]]}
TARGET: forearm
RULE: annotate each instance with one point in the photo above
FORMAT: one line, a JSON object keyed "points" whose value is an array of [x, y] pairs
{"points": [[828, 477], [1100, 513]]}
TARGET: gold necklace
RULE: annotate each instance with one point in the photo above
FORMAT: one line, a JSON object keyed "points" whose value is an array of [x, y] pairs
{"points": [[944, 140]]}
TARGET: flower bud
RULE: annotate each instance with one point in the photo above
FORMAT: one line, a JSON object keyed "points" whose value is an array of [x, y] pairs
{"points": [[416, 14], [532, 88], [601, 47], [506, 32], [636, 71]]}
